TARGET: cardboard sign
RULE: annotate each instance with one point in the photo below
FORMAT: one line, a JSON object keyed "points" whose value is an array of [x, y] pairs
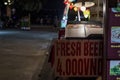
{"points": [[78, 58]]}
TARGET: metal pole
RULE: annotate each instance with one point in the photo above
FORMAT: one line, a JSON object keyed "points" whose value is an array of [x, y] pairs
{"points": [[79, 16]]}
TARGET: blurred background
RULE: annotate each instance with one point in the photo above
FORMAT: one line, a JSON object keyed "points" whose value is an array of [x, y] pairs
{"points": [[42, 12]]}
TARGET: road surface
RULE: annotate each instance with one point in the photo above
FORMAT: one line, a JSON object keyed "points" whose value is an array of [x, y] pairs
{"points": [[23, 54]]}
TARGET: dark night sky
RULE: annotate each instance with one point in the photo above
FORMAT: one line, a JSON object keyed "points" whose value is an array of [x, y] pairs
{"points": [[50, 8], [54, 7], [54, 4]]}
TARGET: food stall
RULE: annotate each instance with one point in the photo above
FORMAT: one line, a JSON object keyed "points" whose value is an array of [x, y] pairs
{"points": [[78, 51]]}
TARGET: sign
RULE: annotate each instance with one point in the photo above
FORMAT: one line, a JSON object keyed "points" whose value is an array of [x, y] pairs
{"points": [[113, 30], [113, 40], [78, 58], [113, 71]]}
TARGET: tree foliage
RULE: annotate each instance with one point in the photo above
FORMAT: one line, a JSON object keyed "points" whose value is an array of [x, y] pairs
{"points": [[29, 5], [115, 70]]}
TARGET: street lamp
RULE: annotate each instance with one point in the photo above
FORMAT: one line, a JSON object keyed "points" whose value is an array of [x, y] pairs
{"points": [[8, 2], [5, 3], [8, 9]]}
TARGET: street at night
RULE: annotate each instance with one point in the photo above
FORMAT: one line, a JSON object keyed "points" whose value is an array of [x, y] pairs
{"points": [[23, 54], [59, 40]]}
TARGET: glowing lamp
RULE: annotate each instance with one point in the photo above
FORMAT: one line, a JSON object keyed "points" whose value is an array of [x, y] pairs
{"points": [[86, 13], [83, 8], [71, 0], [9, 1], [5, 3], [75, 9], [86, 16]]}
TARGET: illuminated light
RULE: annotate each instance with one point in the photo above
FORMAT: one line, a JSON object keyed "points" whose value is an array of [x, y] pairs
{"points": [[86, 13], [83, 8], [71, 0], [9, 1], [87, 4], [63, 23], [5, 3], [75, 9], [86, 16], [64, 18]]}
